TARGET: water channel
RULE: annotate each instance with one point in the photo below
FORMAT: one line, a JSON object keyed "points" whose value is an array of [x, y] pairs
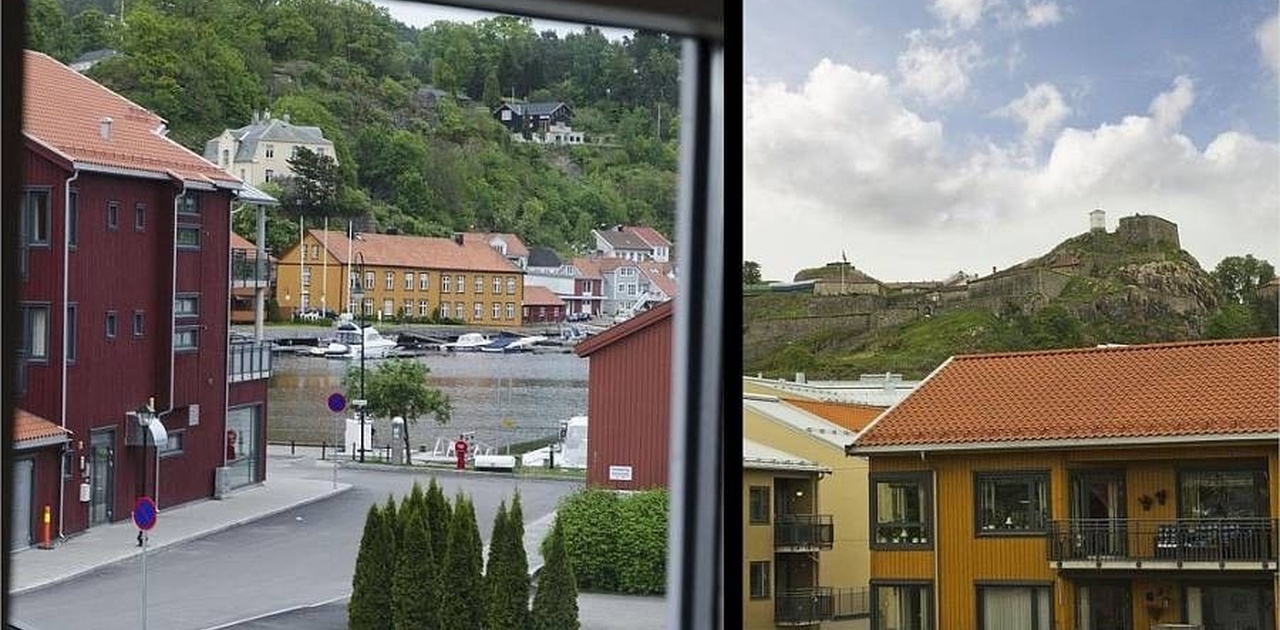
{"points": [[503, 398]]}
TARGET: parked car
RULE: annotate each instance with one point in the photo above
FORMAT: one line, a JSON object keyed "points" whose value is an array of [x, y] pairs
{"points": [[578, 317]]}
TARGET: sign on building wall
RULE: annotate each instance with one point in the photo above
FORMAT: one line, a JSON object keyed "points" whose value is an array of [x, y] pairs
{"points": [[619, 473]]}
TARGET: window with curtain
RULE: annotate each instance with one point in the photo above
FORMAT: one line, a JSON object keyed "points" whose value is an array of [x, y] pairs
{"points": [[1014, 607], [901, 607], [900, 510], [1223, 493], [1011, 502]]}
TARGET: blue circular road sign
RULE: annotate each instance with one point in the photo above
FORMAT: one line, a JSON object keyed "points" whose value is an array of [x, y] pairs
{"points": [[337, 402], [144, 513]]}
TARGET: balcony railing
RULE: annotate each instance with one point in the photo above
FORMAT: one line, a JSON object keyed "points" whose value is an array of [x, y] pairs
{"points": [[803, 532], [248, 361], [1245, 543], [247, 270], [804, 606]]}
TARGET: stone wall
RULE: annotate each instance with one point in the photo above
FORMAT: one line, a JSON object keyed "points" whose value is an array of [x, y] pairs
{"points": [[1148, 230]]}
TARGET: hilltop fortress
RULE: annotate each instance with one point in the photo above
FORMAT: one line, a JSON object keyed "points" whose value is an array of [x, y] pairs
{"points": [[1141, 261]]}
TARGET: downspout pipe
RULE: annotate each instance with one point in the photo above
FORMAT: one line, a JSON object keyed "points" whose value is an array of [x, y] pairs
{"points": [[66, 336], [173, 325]]}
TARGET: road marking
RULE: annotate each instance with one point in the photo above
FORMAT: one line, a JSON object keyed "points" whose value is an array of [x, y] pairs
{"points": [[279, 612]]}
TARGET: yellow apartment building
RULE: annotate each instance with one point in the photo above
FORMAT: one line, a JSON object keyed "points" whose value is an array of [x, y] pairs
{"points": [[395, 276], [817, 525], [1111, 488]]}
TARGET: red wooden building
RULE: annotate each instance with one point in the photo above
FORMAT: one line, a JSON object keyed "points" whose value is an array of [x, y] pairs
{"points": [[541, 306], [629, 402], [124, 300]]}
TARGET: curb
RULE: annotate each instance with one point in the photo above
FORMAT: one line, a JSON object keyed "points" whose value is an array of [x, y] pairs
{"points": [[419, 468], [134, 553]]}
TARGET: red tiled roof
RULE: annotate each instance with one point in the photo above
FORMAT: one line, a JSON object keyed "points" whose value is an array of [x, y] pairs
{"points": [[64, 110], [420, 252], [29, 428], [1156, 392], [649, 235], [644, 320], [515, 246], [657, 275], [535, 295]]}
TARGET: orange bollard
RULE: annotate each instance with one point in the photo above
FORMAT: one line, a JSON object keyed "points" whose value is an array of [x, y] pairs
{"points": [[46, 529]]}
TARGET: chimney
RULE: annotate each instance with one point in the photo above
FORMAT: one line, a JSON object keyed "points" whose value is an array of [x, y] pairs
{"points": [[458, 238], [104, 127]]}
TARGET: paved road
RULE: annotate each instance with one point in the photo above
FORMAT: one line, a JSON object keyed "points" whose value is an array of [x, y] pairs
{"points": [[298, 558], [595, 611]]}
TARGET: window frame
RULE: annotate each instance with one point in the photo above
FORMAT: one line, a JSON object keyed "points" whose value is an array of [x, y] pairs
{"points": [[73, 218], [757, 591], [112, 324], [113, 215], [926, 586], [424, 308], [408, 281], [182, 333], [460, 283], [759, 497], [497, 311], [479, 282], [72, 309], [511, 311], [186, 298], [139, 217], [28, 339], [390, 280], [511, 286], [497, 285], [139, 324], [167, 451], [979, 609], [424, 281], [446, 283], [477, 310], [187, 229], [1252, 467], [45, 216], [1030, 477], [924, 479], [189, 203]]}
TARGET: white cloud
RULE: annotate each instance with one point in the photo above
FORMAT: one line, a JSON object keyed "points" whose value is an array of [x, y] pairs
{"points": [[1041, 110], [1042, 14], [842, 163], [1168, 108], [961, 14], [937, 74], [1268, 38]]}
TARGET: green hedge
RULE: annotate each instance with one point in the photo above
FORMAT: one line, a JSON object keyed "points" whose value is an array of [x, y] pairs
{"points": [[617, 543]]}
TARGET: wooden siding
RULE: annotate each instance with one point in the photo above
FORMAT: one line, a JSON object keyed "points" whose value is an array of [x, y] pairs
{"points": [[125, 270], [964, 559], [629, 406]]}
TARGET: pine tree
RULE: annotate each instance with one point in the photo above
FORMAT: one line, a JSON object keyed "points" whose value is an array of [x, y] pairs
{"points": [[392, 519], [507, 575], [370, 606], [461, 583], [413, 503], [414, 589], [555, 604], [439, 515]]}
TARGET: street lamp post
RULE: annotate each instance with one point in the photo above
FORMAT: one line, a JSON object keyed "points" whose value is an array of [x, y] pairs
{"points": [[360, 308]]}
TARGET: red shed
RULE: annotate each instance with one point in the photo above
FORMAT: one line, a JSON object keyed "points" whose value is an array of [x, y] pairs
{"points": [[629, 402]]}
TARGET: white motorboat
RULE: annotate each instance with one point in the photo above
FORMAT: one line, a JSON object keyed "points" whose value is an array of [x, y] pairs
{"points": [[524, 344], [365, 341], [333, 349], [469, 342]]}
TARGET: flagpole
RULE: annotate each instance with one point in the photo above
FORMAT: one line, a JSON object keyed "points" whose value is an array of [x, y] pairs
{"points": [[350, 289], [324, 270]]}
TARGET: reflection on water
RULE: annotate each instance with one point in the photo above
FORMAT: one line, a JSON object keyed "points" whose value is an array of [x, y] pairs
{"points": [[532, 392]]}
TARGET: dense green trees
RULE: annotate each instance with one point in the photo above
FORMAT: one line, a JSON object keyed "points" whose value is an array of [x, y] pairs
{"points": [[370, 607], [420, 165], [555, 604]]}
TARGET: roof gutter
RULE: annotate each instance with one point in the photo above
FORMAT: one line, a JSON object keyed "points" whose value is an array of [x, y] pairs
{"points": [[1159, 440]]}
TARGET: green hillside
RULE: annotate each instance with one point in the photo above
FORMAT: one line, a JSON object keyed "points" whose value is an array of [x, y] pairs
{"points": [[407, 165]]}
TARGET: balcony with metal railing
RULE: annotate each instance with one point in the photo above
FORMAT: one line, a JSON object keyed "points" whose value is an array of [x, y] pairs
{"points": [[1239, 544], [803, 532], [248, 361], [248, 271], [806, 606]]}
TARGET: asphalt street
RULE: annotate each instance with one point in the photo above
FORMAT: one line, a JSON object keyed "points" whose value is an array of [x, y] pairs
{"points": [[299, 558]]}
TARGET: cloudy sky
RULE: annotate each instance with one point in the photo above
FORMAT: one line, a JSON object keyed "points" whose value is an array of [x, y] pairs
{"points": [[925, 137], [421, 15]]}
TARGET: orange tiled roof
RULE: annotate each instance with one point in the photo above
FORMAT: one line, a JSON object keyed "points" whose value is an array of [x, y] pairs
{"points": [[29, 428], [515, 246], [64, 111], [421, 252], [851, 416], [540, 296], [1157, 392], [657, 275]]}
